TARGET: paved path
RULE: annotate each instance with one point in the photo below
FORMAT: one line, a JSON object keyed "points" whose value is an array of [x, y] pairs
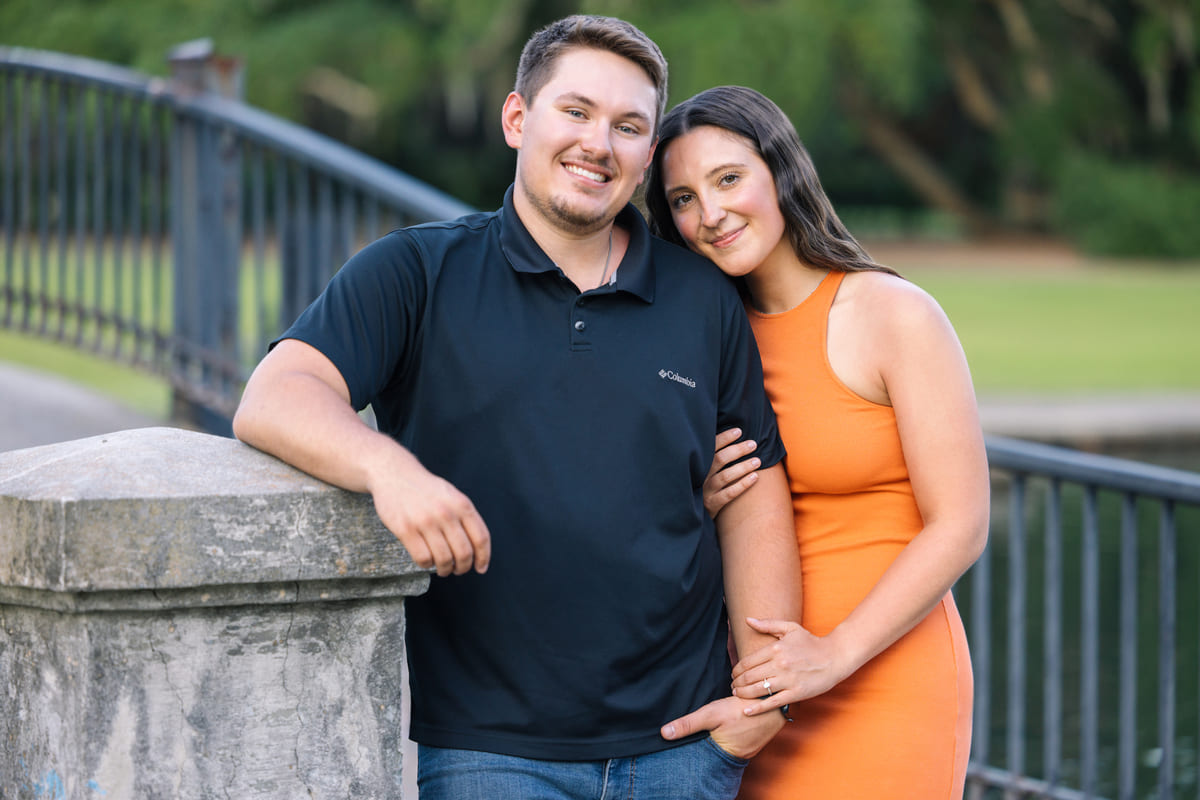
{"points": [[37, 408], [1120, 415]]}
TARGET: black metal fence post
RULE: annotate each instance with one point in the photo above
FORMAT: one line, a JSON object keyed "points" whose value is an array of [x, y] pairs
{"points": [[207, 230]]}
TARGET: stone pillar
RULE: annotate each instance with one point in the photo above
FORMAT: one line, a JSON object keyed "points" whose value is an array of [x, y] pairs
{"points": [[183, 616]]}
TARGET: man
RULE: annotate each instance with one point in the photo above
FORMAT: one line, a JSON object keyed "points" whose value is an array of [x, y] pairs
{"points": [[548, 381]]}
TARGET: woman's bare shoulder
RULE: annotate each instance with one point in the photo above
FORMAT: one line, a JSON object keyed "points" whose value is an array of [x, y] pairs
{"points": [[889, 299]]}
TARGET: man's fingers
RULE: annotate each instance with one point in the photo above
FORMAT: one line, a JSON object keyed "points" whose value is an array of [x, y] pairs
{"points": [[687, 725], [443, 555], [449, 550], [439, 525], [481, 540], [462, 550], [417, 549]]}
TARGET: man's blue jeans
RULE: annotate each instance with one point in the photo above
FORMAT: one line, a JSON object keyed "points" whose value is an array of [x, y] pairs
{"points": [[695, 771]]}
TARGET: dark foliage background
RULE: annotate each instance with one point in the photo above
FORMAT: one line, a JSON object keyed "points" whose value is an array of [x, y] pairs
{"points": [[1078, 118]]}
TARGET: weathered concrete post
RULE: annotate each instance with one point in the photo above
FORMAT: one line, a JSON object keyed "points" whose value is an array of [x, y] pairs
{"points": [[182, 616]]}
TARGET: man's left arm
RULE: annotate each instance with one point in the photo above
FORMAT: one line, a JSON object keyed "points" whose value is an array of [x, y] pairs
{"points": [[759, 557], [762, 577]]}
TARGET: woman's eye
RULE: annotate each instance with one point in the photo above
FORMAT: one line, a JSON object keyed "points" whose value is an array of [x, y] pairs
{"points": [[728, 179], [680, 200]]}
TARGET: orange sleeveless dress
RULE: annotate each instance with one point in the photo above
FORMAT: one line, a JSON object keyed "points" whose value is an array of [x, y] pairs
{"points": [[900, 727]]}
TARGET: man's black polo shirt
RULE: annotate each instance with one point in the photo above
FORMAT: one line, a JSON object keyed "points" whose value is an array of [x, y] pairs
{"points": [[581, 426]]}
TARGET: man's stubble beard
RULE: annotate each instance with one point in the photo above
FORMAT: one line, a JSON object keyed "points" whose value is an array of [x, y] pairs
{"points": [[565, 217]]}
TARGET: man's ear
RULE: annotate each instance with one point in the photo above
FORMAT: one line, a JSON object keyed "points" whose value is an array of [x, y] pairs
{"points": [[512, 119]]}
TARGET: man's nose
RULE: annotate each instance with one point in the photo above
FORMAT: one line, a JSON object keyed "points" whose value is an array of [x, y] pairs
{"points": [[597, 140]]}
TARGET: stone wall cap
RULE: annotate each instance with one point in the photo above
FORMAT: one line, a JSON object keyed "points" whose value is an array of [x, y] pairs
{"points": [[165, 508], [147, 462]]}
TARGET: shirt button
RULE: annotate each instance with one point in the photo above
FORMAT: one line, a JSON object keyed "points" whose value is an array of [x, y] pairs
{"points": [[580, 325]]}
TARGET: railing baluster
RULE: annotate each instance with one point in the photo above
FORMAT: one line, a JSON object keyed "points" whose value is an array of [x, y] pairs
{"points": [[159, 194], [204, 330], [137, 321], [8, 201], [304, 234], [1127, 747], [181, 223], [1052, 637], [256, 340], [325, 225], [1015, 696], [346, 240], [372, 218], [1090, 649], [282, 240], [1166, 650], [61, 158], [98, 217], [232, 220], [44, 289], [25, 223], [117, 226], [81, 193], [981, 661]]}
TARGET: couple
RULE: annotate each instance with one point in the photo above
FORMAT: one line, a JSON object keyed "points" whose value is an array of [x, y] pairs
{"points": [[548, 380]]}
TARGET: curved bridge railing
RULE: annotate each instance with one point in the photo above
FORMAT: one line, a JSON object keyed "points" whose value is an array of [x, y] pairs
{"points": [[163, 223], [1086, 684]]}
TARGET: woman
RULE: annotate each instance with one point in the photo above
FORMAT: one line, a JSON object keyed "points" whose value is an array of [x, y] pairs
{"points": [[885, 459]]}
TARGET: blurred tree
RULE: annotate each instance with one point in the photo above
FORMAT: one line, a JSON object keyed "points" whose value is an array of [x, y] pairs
{"points": [[1005, 114]]}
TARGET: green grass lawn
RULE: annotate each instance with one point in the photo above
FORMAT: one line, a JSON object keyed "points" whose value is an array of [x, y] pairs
{"points": [[1102, 327], [1027, 325]]}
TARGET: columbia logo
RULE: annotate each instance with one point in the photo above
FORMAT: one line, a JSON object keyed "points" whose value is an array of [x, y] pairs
{"points": [[668, 375]]}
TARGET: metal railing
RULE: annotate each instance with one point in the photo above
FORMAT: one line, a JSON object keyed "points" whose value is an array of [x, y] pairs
{"points": [[157, 223], [164, 225], [1110, 540]]}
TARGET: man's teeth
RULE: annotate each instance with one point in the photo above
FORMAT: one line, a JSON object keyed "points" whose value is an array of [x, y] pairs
{"points": [[596, 176]]}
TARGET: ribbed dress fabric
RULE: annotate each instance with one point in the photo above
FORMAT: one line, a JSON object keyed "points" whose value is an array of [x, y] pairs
{"points": [[900, 727]]}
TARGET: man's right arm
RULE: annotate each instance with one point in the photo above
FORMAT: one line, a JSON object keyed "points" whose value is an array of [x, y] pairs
{"points": [[296, 407]]}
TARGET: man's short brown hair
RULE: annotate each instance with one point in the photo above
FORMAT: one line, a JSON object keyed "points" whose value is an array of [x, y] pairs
{"points": [[600, 33]]}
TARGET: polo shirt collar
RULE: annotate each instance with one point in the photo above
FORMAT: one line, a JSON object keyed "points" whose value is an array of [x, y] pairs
{"points": [[635, 274]]}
